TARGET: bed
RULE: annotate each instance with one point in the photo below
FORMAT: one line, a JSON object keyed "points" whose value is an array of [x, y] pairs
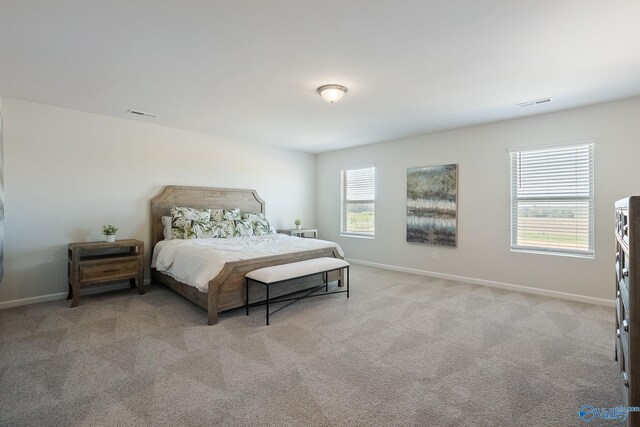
{"points": [[226, 290]]}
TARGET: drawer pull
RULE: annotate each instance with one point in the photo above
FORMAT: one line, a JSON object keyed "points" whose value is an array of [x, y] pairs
{"points": [[626, 228], [625, 272], [618, 332], [625, 325], [109, 270]]}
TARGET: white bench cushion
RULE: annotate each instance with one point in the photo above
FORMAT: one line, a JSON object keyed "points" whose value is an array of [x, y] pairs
{"points": [[292, 270]]}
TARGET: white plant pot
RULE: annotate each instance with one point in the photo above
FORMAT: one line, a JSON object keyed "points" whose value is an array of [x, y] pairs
{"points": [[298, 227], [110, 238]]}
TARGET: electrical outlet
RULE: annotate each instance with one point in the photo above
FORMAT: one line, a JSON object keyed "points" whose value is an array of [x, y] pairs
{"points": [[434, 256]]}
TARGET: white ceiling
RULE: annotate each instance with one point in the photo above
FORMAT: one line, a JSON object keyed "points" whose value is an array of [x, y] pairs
{"points": [[248, 69]]}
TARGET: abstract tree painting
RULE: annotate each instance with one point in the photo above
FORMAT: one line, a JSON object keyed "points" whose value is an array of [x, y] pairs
{"points": [[432, 205]]}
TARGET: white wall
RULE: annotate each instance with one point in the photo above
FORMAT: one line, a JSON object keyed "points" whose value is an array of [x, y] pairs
{"points": [[483, 250], [68, 172]]}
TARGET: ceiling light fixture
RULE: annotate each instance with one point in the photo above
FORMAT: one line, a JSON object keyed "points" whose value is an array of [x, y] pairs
{"points": [[332, 93]]}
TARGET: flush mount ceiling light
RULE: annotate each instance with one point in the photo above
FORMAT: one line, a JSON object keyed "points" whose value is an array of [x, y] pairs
{"points": [[332, 93]]}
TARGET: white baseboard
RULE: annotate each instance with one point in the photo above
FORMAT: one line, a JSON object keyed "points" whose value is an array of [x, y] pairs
{"points": [[63, 295], [483, 282], [490, 283]]}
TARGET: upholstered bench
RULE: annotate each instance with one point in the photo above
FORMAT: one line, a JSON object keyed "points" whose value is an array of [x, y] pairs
{"points": [[270, 276]]}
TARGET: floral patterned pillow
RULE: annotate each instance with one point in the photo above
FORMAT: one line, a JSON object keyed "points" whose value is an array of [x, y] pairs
{"points": [[259, 223], [209, 229], [199, 230], [232, 214], [177, 228], [183, 220], [195, 214], [174, 230], [244, 228], [224, 228], [217, 215], [166, 227]]}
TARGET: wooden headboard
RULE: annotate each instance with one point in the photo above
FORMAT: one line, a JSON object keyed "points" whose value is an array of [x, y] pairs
{"points": [[199, 197]]}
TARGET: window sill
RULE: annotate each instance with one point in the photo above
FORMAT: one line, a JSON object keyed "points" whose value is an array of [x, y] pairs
{"points": [[554, 253], [358, 236]]}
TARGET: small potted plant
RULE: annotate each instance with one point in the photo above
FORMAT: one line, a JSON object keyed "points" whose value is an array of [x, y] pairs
{"points": [[298, 223], [109, 232]]}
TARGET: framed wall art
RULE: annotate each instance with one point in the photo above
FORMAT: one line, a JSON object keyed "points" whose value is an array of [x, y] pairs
{"points": [[432, 205]]}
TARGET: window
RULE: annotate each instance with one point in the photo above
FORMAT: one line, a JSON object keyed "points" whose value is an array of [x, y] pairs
{"points": [[358, 196], [552, 200]]}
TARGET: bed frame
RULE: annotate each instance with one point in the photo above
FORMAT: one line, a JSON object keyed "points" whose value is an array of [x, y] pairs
{"points": [[226, 290]]}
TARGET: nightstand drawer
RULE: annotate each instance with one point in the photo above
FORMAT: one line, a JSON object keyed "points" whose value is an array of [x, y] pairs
{"points": [[105, 271]]}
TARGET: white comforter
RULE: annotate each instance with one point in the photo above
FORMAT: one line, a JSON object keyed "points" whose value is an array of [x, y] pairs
{"points": [[197, 261]]}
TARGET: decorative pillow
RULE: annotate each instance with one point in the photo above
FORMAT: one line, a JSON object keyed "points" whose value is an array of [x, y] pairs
{"points": [[259, 224], [207, 230], [199, 230], [168, 232], [184, 218], [232, 214], [177, 228], [244, 228], [177, 233], [224, 229], [195, 214], [217, 215]]}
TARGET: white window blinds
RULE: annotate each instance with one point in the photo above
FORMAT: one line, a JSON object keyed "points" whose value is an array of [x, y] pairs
{"points": [[357, 213], [552, 199]]}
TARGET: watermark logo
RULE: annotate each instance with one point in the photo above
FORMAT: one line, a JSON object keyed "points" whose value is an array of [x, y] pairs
{"points": [[589, 413], [586, 413]]}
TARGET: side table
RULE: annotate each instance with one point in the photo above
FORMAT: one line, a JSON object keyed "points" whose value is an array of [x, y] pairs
{"points": [[300, 232], [100, 262]]}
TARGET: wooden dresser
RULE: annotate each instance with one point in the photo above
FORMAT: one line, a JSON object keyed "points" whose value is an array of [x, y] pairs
{"points": [[627, 351], [100, 262]]}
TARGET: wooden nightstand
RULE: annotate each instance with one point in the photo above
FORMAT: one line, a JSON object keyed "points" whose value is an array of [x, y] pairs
{"points": [[99, 262], [300, 232]]}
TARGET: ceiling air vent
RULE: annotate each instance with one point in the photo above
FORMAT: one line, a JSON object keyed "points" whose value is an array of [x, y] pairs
{"points": [[536, 102], [142, 113]]}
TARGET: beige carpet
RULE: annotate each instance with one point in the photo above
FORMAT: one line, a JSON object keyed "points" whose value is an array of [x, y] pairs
{"points": [[403, 350]]}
